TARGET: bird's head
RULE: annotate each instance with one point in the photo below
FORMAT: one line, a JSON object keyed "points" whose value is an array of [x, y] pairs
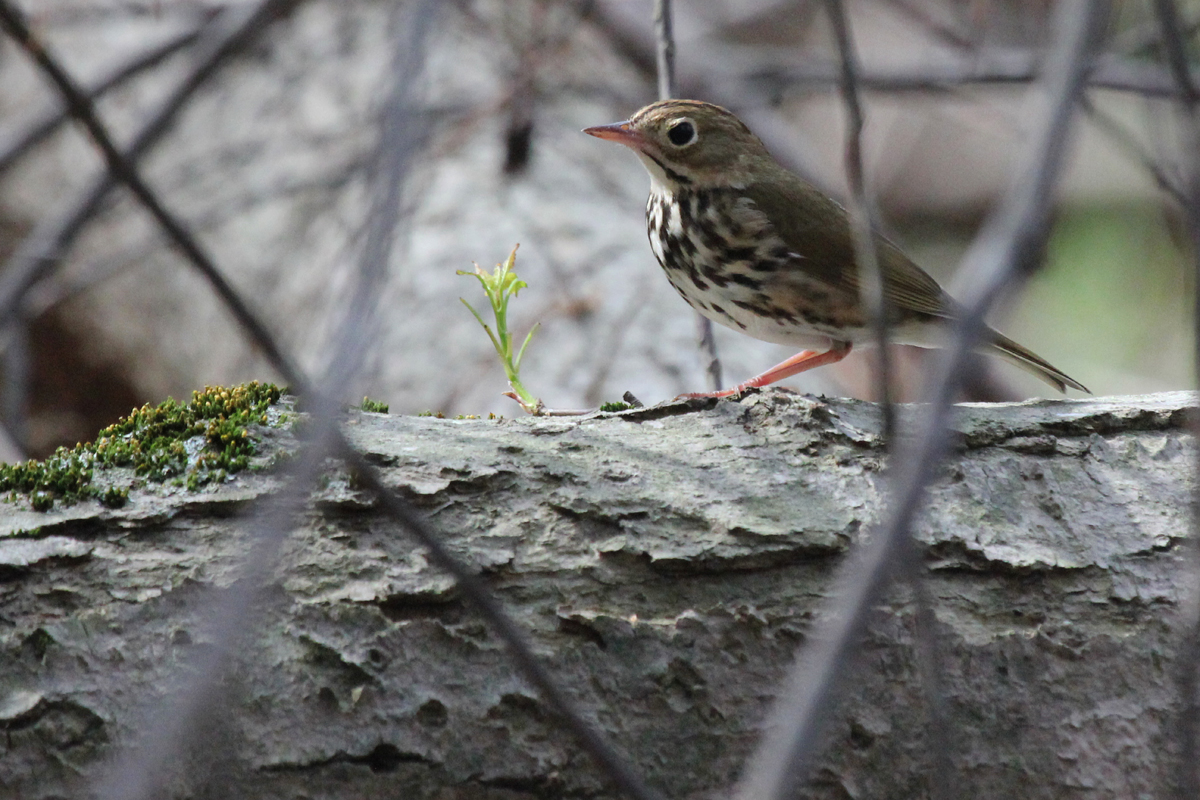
{"points": [[687, 143]]}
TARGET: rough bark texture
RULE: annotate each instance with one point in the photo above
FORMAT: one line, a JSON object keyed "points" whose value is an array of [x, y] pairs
{"points": [[666, 563]]}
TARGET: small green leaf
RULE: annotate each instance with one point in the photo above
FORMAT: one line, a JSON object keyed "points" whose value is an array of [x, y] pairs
{"points": [[521, 352], [500, 287]]}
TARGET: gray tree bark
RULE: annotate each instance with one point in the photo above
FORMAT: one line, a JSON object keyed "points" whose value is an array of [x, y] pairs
{"points": [[666, 563]]}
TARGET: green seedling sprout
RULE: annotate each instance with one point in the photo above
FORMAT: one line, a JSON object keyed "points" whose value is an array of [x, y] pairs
{"points": [[499, 287]]}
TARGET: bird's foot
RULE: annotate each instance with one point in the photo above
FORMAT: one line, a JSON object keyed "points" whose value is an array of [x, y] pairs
{"points": [[798, 363]]}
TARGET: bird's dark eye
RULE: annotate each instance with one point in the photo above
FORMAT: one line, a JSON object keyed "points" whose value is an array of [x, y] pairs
{"points": [[682, 133]]}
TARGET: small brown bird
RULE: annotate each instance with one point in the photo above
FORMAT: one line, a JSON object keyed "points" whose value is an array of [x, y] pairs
{"points": [[760, 250]]}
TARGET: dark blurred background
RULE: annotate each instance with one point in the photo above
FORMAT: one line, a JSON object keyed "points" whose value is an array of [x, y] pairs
{"points": [[270, 164]]}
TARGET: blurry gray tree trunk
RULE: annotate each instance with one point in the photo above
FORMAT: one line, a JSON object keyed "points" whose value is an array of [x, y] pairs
{"points": [[666, 563]]}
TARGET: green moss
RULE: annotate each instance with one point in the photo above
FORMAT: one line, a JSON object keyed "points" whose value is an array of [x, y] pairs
{"points": [[114, 497], [440, 415], [38, 643], [374, 406], [191, 444], [616, 406]]}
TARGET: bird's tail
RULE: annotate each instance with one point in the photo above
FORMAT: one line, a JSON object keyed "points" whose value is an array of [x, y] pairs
{"points": [[1035, 364]]}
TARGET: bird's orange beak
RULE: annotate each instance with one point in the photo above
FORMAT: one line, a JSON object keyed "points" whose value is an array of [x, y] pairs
{"points": [[619, 132]]}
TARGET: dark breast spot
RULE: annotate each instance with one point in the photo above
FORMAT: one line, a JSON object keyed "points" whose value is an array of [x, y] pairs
{"points": [[710, 238], [740, 254], [781, 314], [745, 280], [685, 212], [671, 255], [716, 275]]}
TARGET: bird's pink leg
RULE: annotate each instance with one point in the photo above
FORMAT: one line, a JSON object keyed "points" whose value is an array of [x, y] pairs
{"points": [[801, 362]]}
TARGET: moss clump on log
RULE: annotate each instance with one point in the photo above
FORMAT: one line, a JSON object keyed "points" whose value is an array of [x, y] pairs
{"points": [[193, 444]]}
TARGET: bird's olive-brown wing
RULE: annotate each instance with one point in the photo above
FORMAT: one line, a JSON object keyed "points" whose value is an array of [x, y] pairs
{"points": [[817, 229]]}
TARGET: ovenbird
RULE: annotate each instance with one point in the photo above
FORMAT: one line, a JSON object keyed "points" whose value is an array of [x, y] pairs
{"points": [[758, 249]]}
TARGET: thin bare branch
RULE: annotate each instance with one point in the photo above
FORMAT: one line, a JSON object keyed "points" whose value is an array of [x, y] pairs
{"points": [[1123, 138], [989, 67], [865, 222], [1171, 31], [14, 391], [1008, 247], [60, 288], [864, 218], [1187, 784], [943, 31], [664, 36], [125, 170], [41, 251], [33, 131], [403, 133], [1146, 37], [90, 13], [522, 22], [708, 352], [664, 51]]}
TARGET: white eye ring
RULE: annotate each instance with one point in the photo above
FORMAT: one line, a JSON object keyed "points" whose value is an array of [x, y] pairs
{"points": [[682, 132]]}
